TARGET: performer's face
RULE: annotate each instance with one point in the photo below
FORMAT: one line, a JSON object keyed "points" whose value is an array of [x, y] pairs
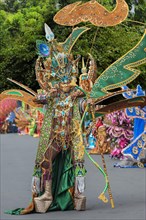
{"points": [[65, 87]]}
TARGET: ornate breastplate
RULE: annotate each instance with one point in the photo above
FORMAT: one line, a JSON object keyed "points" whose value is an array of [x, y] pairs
{"points": [[62, 111], [62, 106]]}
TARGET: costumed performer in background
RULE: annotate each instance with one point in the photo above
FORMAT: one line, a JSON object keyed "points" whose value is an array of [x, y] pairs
{"points": [[133, 152]]}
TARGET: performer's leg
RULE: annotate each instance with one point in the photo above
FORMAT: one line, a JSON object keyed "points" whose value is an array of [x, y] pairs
{"points": [[79, 188], [43, 202]]}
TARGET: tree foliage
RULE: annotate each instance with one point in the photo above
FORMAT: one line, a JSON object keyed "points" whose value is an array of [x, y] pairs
{"points": [[22, 23]]}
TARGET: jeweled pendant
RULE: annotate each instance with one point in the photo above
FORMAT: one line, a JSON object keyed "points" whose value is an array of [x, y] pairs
{"points": [[63, 113], [62, 133], [63, 123], [64, 147]]}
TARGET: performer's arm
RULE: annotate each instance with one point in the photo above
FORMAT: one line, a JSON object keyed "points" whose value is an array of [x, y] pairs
{"points": [[77, 94]]}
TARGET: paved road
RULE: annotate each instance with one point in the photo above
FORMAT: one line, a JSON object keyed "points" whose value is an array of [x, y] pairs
{"points": [[17, 159]]}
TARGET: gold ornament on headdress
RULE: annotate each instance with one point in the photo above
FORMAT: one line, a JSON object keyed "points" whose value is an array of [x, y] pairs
{"points": [[93, 12], [84, 81]]}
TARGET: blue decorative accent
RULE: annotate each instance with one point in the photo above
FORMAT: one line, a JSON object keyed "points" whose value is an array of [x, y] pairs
{"points": [[87, 122], [91, 141], [63, 113], [43, 49], [65, 79], [62, 104], [65, 60], [139, 91], [127, 95], [80, 173], [65, 147], [62, 133], [54, 63], [136, 113], [127, 166], [84, 77], [53, 74], [134, 149]]}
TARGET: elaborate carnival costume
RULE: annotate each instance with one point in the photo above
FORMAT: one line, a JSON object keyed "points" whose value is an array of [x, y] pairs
{"points": [[61, 148], [100, 133], [29, 121], [119, 131], [134, 151], [6, 114]]}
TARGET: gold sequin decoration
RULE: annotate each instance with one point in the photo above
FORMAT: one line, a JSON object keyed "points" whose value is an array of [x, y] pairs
{"points": [[135, 150], [139, 143], [142, 114], [130, 110], [144, 137], [140, 165], [93, 12], [137, 111]]}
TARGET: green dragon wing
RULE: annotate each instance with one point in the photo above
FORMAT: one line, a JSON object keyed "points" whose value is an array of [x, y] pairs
{"points": [[73, 37], [122, 71]]}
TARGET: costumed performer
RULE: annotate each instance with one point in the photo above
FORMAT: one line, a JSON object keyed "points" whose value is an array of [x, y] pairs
{"points": [[59, 175], [133, 152]]}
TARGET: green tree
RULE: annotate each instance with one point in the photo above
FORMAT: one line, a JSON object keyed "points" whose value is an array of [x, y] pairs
{"points": [[22, 23], [19, 32]]}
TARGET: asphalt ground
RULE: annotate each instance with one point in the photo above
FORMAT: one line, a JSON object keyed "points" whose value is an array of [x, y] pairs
{"points": [[17, 160]]}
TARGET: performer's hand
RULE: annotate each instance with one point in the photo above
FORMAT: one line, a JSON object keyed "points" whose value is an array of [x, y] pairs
{"points": [[39, 101], [90, 101], [53, 92]]}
